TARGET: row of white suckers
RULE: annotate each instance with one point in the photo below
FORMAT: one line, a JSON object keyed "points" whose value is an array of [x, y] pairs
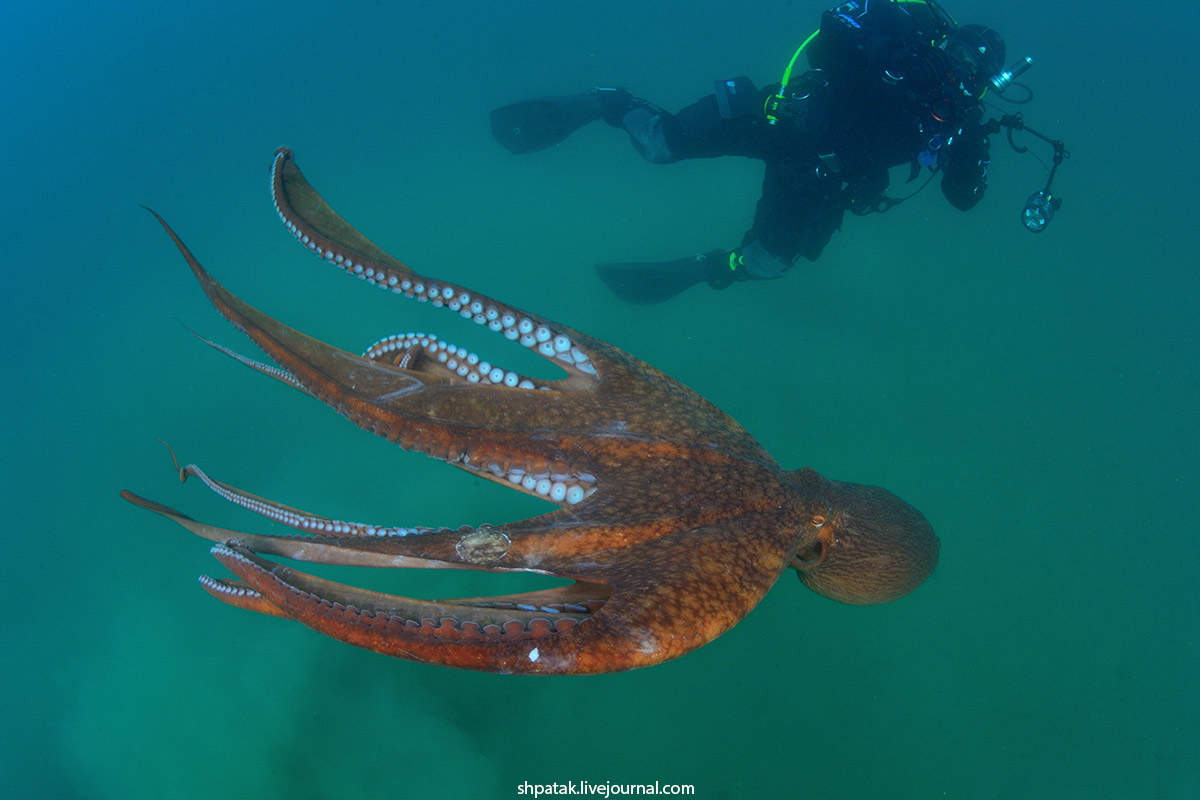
{"points": [[523, 330], [456, 359]]}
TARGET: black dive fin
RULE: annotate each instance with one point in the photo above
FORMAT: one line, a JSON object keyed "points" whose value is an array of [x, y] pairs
{"points": [[536, 124], [655, 281]]}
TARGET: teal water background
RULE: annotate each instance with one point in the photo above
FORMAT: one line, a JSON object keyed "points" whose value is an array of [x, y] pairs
{"points": [[1034, 396]]}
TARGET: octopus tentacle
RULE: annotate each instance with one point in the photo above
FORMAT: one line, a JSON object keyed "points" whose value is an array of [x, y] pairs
{"points": [[270, 370], [486, 547], [564, 489], [293, 517], [319, 228], [420, 352], [239, 595], [447, 626], [552, 544]]}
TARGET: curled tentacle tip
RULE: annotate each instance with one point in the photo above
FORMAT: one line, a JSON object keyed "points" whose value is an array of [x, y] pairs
{"points": [[183, 474]]}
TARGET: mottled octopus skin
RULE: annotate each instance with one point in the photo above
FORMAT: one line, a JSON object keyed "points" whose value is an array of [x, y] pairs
{"points": [[671, 520]]}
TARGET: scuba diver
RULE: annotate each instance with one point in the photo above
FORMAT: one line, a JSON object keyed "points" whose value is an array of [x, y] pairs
{"points": [[890, 82]]}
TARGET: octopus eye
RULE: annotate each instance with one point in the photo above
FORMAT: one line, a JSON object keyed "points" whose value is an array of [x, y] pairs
{"points": [[817, 521]]}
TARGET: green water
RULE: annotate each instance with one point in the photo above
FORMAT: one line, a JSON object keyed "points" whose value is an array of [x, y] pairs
{"points": [[1034, 396]]}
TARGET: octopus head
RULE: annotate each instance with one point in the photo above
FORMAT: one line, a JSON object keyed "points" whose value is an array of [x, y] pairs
{"points": [[862, 544]]}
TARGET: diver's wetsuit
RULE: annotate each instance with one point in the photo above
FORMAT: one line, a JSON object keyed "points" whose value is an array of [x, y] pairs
{"points": [[873, 101]]}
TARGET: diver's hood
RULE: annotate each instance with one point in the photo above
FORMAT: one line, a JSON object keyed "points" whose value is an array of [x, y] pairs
{"points": [[978, 50]]}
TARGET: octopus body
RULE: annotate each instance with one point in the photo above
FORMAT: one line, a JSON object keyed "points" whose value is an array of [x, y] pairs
{"points": [[669, 521]]}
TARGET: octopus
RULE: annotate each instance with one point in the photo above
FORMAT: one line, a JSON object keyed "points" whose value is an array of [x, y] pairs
{"points": [[668, 522]]}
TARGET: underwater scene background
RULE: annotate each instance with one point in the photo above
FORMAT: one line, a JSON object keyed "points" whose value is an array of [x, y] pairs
{"points": [[1034, 396]]}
